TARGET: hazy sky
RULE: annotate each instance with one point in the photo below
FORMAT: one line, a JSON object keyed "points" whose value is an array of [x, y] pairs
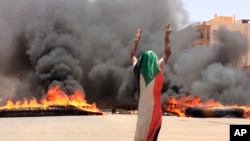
{"points": [[202, 10]]}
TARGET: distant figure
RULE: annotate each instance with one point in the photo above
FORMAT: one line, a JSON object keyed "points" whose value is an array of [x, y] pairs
{"points": [[113, 111], [149, 78]]}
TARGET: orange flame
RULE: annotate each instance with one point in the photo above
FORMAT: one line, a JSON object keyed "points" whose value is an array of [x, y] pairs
{"points": [[179, 105], [55, 96]]}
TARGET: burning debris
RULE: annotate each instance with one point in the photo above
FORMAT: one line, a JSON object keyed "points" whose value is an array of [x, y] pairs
{"points": [[69, 110], [84, 45], [55, 103], [212, 111], [194, 107]]}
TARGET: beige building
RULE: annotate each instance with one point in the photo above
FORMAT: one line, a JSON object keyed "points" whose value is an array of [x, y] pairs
{"points": [[205, 32]]}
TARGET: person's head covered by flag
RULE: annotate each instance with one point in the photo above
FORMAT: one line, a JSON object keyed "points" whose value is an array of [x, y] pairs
{"points": [[148, 65], [149, 80]]}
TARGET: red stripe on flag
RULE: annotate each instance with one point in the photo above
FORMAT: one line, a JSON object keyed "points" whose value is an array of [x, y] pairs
{"points": [[157, 110]]}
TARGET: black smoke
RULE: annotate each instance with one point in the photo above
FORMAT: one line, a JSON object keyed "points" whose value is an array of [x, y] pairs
{"points": [[80, 44], [85, 45], [215, 71]]}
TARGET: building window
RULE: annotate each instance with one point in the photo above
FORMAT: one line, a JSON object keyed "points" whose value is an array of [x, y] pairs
{"points": [[208, 35], [245, 21], [214, 32], [201, 36]]}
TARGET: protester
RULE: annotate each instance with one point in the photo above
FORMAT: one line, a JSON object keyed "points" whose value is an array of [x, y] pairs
{"points": [[149, 78]]}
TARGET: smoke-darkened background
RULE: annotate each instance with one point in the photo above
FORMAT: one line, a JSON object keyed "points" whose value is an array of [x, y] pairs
{"points": [[83, 44]]}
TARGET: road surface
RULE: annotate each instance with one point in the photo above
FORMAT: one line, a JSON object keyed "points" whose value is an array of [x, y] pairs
{"points": [[112, 128]]}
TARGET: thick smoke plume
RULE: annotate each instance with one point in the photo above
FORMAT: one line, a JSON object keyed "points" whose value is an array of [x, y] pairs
{"points": [[79, 44], [214, 72], [85, 45]]}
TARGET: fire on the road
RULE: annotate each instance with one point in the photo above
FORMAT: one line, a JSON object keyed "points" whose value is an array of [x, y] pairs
{"points": [[54, 96], [180, 104]]}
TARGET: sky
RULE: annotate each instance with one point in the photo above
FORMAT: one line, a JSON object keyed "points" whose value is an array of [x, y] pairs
{"points": [[203, 10]]}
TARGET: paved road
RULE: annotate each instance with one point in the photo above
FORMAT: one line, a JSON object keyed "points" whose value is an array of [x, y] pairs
{"points": [[112, 128]]}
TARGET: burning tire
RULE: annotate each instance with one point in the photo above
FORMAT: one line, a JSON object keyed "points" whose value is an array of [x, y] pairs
{"points": [[206, 112], [49, 111]]}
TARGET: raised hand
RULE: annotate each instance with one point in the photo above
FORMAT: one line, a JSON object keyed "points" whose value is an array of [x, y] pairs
{"points": [[167, 52], [168, 30], [136, 42], [138, 35]]}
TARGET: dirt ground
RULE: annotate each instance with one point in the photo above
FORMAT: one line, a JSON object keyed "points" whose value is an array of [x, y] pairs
{"points": [[112, 128]]}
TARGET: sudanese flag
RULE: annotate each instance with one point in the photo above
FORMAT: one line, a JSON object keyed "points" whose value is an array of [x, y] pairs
{"points": [[149, 78]]}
